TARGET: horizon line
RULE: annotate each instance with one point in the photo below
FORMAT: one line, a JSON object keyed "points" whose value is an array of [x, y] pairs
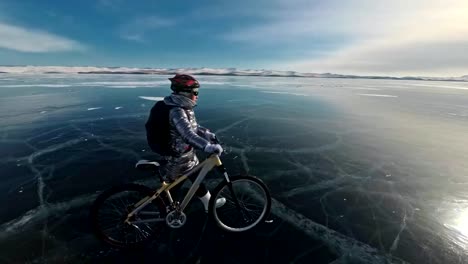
{"points": [[295, 73]]}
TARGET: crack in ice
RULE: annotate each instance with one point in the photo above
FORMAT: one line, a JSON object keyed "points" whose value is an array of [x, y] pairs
{"points": [[339, 244], [224, 129]]}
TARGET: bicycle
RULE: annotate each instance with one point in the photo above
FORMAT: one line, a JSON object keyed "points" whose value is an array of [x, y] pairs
{"points": [[138, 213]]}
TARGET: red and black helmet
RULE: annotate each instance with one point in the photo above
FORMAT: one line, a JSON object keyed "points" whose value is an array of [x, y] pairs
{"points": [[183, 82]]}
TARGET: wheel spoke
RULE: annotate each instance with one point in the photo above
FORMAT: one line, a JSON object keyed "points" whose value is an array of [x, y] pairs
{"points": [[110, 211], [245, 207]]}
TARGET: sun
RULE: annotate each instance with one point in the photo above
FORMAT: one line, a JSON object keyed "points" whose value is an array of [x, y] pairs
{"points": [[460, 225]]}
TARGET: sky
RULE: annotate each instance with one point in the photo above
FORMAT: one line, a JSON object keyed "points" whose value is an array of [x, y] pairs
{"points": [[361, 37]]}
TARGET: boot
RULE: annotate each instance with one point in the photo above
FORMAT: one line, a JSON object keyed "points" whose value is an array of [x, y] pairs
{"points": [[206, 200]]}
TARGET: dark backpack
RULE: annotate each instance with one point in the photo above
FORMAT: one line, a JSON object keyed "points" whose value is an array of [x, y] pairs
{"points": [[157, 129]]}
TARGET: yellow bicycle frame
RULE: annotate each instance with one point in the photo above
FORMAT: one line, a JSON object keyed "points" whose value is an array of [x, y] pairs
{"points": [[204, 167]]}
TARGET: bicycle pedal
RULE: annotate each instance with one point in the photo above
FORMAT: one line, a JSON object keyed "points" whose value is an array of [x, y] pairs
{"points": [[269, 221]]}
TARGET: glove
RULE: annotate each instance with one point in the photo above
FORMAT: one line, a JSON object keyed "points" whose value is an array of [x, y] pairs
{"points": [[213, 148], [210, 136]]}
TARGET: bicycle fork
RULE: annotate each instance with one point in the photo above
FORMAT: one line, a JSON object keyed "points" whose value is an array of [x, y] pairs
{"points": [[222, 169]]}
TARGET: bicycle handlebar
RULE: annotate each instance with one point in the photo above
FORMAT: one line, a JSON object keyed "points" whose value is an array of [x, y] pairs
{"points": [[216, 141]]}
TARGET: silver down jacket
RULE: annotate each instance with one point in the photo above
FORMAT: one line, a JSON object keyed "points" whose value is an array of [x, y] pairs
{"points": [[186, 135]]}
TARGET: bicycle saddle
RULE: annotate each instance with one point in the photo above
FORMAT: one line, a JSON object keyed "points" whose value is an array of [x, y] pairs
{"points": [[149, 165]]}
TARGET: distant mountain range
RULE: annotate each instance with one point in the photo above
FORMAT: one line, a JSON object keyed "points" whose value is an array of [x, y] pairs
{"points": [[201, 71]]}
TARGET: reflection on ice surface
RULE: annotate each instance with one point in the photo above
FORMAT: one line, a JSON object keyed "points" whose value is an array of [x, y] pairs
{"points": [[354, 176]]}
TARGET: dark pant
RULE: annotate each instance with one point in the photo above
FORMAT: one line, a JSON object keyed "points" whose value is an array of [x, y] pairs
{"points": [[201, 191], [177, 166]]}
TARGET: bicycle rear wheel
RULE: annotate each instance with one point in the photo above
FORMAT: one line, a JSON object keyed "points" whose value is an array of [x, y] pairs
{"points": [[248, 202], [110, 210]]}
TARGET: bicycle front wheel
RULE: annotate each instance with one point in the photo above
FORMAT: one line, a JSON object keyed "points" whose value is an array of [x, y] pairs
{"points": [[248, 202], [111, 208]]}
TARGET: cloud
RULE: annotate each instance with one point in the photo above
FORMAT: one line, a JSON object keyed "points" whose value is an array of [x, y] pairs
{"points": [[366, 36], [443, 58], [132, 36], [36, 41], [137, 29], [361, 19]]}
